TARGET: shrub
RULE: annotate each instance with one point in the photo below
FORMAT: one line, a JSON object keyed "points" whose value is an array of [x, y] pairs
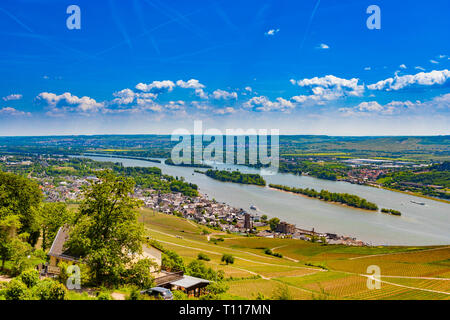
{"points": [[179, 295], [282, 293], [49, 289], [140, 274], [202, 256], [29, 277], [228, 259], [104, 296], [16, 290], [135, 294]]}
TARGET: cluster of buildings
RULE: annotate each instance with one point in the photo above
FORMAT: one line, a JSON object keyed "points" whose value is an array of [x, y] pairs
{"points": [[229, 219], [68, 190]]}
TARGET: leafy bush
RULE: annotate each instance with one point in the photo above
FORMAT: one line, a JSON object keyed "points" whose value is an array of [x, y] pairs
{"points": [[140, 274], [228, 259], [49, 289], [16, 290], [29, 277], [202, 256], [104, 296]]}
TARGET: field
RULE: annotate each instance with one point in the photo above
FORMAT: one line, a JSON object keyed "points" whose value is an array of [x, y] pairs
{"points": [[308, 270]]}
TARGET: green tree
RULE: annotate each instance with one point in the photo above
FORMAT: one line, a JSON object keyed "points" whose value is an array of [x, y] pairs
{"points": [[106, 232], [139, 274], [21, 197], [228, 259], [273, 223], [52, 216]]}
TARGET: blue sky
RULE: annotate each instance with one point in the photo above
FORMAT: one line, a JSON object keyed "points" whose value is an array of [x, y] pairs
{"points": [[152, 66]]}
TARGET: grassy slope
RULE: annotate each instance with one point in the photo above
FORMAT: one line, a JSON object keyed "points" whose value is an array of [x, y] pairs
{"points": [[345, 264]]}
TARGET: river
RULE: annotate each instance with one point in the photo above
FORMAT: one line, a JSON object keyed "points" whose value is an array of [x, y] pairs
{"points": [[427, 224]]}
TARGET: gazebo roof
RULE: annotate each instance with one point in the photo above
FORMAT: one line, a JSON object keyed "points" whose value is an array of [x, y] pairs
{"points": [[189, 282]]}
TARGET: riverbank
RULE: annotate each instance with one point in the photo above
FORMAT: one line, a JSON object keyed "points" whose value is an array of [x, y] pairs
{"points": [[415, 194], [331, 202]]}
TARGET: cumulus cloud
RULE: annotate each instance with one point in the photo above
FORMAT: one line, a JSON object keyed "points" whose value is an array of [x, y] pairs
{"points": [[193, 84], [423, 78], [67, 102], [367, 68], [222, 94], [128, 96], [323, 46], [156, 86], [263, 103], [227, 110], [8, 111], [12, 97], [402, 66], [272, 32], [331, 87]]}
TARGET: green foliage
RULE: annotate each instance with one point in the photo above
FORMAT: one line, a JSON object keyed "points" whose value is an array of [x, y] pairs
{"points": [[52, 216], [20, 197], [202, 256], [29, 277], [16, 290], [228, 259], [273, 223], [391, 211], [282, 293], [24, 257], [171, 261], [236, 177], [325, 195], [139, 274], [198, 269], [85, 273], [106, 232], [49, 289], [271, 253], [135, 294], [179, 295], [104, 295]]}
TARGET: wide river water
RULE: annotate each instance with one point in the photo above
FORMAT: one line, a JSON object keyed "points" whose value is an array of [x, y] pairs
{"points": [[427, 224]]}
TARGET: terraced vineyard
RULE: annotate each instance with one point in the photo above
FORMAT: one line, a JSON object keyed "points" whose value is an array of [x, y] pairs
{"points": [[308, 270]]}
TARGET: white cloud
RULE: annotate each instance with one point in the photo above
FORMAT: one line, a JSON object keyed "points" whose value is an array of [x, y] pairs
{"points": [[419, 68], [127, 96], [70, 102], [156, 86], [434, 61], [272, 32], [15, 96], [249, 89], [263, 103], [422, 78], [323, 46], [193, 84], [222, 94], [402, 66], [331, 87], [8, 111], [367, 68], [227, 110]]}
